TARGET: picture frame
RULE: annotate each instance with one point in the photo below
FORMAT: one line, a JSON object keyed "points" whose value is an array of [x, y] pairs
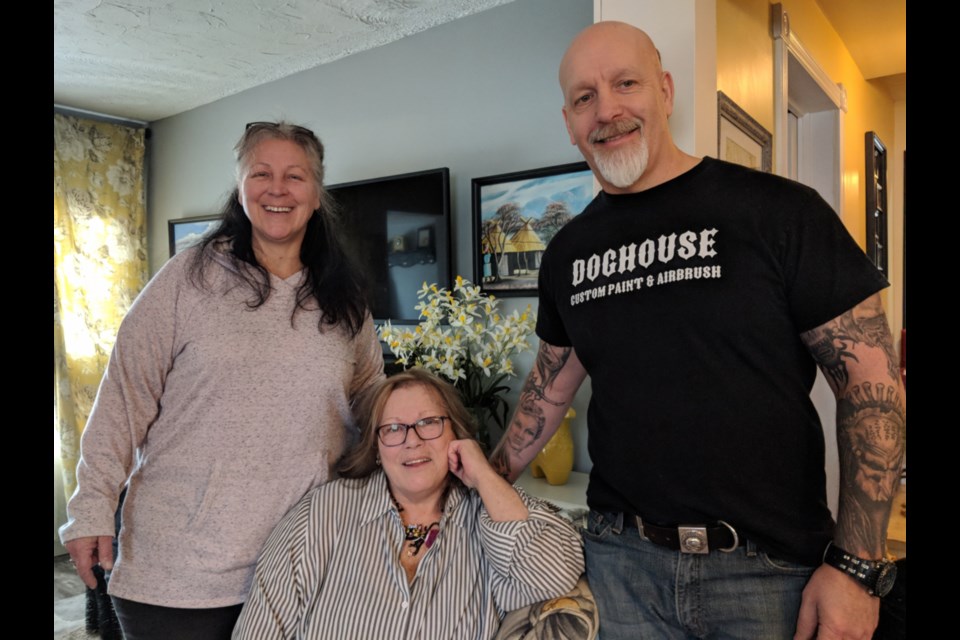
{"points": [[741, 139], [425, 237], [185, 232], [515, 215], [875, 173]]}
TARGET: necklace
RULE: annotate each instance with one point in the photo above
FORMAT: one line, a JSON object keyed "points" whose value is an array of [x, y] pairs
{"points": [[417, 535]]}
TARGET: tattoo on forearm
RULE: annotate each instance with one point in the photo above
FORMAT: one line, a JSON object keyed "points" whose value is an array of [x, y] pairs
{"points": [[529, 420], [524, 430], [526, 427], [500, 461], [872, 438]]}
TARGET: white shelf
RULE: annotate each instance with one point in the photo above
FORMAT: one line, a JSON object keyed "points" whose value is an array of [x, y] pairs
{"points": [[571, 497]]}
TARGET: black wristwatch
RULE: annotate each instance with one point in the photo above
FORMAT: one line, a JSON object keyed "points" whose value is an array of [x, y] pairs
{"points": [[877, 576]]}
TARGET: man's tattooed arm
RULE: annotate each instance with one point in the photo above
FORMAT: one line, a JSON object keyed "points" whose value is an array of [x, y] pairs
{"points": [[870, 428], [550, 361], [832, 344], [544, 398], [856, 353]]}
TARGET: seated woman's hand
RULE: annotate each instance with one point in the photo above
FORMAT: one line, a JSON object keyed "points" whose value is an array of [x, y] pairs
{"points": [[467, 462]]}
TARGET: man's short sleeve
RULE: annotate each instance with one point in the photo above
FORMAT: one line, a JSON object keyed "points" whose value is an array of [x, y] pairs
{"points": [[550, 326], [826, 273]]}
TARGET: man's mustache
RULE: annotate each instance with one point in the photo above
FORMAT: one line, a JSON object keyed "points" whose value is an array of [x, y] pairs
{"points": [[615, 128]]}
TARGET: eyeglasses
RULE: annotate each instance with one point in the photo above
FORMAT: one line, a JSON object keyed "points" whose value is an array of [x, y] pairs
{"points": [[273, 125], [395, 434]]}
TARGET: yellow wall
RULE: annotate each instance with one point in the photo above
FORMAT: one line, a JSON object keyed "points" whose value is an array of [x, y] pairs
{"points": [[895, 164], [745, 57], [745, 73]]}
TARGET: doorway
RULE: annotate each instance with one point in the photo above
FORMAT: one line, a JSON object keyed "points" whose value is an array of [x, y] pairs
{"points": [[808, 121]]}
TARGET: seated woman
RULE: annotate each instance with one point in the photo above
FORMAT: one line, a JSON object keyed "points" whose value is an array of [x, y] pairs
{"points": [[420, 539]]}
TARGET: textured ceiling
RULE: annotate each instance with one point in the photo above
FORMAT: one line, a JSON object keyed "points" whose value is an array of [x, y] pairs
{"points": [[149, 59]]}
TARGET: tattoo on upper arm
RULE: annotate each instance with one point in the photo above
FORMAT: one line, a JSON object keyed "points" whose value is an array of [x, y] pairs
{"points": [[872, 438], [829, 348], [832, 344], [550, 360]]}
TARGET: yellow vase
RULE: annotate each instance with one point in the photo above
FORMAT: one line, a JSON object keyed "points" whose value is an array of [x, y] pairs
{"points": [[555, 461]]}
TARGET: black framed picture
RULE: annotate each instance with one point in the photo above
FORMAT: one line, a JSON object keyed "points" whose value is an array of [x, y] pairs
{"points": [[186, 232], [515, 215], [875, 170], [425, 238]]}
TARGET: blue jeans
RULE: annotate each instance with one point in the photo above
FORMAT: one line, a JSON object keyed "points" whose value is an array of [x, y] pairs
{"points": [[647, 591]]}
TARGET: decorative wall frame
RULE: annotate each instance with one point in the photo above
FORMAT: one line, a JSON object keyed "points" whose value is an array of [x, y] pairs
{"points": [[876, 191], [740, 138], [515, 215], [903, 279], [186, 232], [425, 237]]}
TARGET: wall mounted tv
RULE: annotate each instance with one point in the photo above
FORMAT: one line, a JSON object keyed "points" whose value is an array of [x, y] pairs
{"points": [[398, 230]]}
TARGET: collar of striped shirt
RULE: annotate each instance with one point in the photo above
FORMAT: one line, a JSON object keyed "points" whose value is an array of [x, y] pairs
{"points": [[377, 503]]}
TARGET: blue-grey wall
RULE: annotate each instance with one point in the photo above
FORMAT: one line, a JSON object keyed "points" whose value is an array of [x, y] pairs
{"points": [[478, 95]]}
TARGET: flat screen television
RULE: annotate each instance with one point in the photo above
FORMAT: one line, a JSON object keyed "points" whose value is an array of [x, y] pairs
{"points": [[398, 230]]}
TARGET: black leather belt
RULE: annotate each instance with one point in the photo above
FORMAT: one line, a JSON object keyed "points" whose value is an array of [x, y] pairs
{"points": [[688, 538]]}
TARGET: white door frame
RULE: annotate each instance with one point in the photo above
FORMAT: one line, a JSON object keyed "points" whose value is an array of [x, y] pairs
{"points": [[820, 130], [787, 45]]}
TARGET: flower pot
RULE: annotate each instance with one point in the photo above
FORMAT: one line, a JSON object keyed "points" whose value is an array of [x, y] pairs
{"points": [[555, 461]]}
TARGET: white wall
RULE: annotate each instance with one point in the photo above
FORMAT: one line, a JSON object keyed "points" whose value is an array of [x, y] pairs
{"points": [[478, 95], [685, 33]]}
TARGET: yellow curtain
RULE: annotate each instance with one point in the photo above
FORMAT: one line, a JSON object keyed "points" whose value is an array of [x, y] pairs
{"points": [[99, 262]]}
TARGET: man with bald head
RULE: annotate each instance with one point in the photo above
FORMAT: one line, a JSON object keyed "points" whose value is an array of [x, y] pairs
{"points": [[700, 297]]}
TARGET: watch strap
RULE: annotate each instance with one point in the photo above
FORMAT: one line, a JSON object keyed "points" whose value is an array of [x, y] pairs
{"points": [[876, 575]]}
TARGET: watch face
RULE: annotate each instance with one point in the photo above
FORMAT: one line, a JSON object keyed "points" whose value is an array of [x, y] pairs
{"points": [[888, 575]]}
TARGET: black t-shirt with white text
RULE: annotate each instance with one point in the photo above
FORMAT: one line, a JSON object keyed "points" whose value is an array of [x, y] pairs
{"points": [[685, 303]]}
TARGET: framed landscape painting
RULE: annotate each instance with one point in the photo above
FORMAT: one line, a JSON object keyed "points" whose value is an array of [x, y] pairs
{"points": [[515, 216], [186, 232]]}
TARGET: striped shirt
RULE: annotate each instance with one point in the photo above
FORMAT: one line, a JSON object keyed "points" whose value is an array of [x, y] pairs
{"points": [[331, 568]]}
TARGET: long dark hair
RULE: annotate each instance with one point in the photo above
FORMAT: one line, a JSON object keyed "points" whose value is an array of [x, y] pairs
{"points": [[331, 279]]}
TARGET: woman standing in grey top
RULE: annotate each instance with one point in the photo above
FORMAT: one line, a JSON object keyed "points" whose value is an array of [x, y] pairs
{"points": [[227, 397]]}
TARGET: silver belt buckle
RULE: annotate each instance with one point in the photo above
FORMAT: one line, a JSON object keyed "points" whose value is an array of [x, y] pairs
{"points": [[693, 539]]}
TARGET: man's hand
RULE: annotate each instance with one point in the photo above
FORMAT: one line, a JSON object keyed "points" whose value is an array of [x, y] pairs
{"points": [[88, 552], [835, 607]]}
